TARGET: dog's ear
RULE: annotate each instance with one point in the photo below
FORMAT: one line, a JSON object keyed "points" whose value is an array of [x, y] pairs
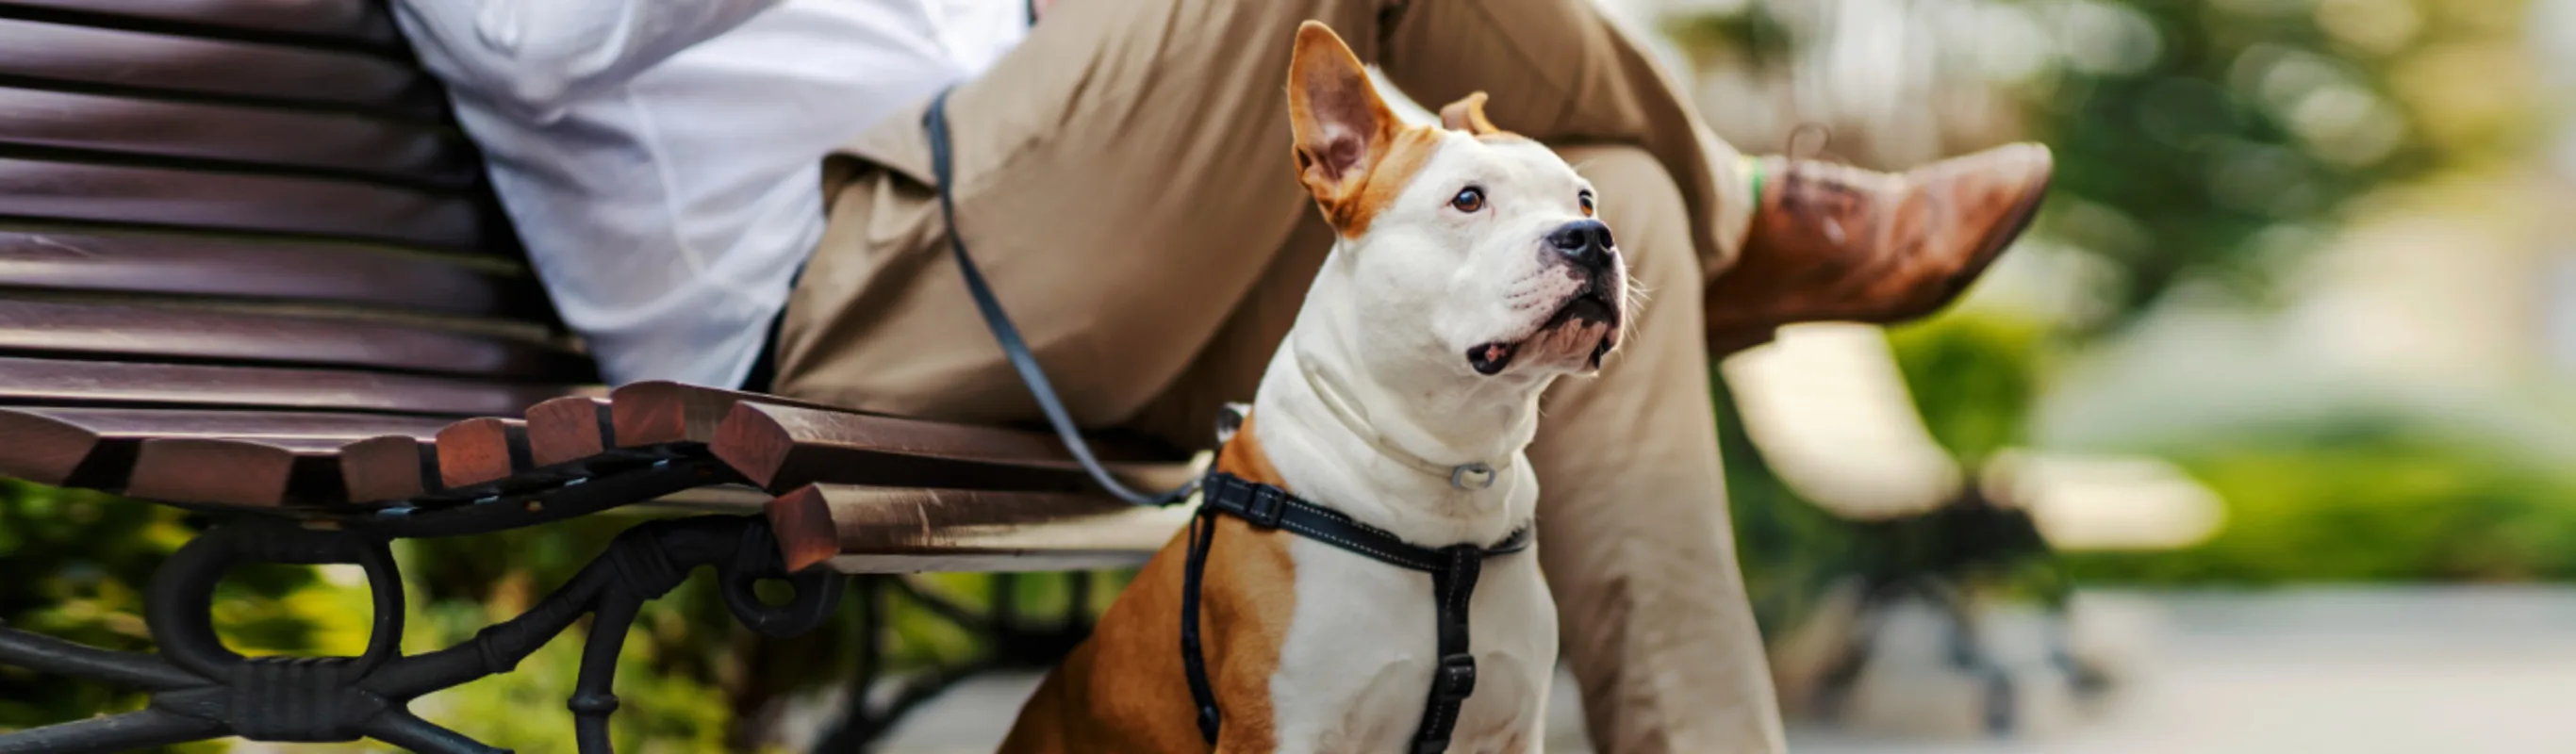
{"points": [[1468, 114], [1340, 123]]}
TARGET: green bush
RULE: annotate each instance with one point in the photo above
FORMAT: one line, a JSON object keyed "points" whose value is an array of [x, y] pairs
{"points": [[2389, 504]]}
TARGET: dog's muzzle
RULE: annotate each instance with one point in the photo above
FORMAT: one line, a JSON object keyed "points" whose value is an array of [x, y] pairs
{"points": [[1586, 245]]}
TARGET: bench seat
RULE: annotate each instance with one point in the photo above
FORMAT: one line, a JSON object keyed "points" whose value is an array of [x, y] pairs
{"points": [[851, 486]]}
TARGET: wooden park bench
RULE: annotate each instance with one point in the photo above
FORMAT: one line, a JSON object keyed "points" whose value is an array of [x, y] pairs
{"points": [[249, 266]]}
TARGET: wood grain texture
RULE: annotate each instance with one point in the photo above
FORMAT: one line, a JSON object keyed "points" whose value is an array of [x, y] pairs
{"points": [[387, 468], [106, 262], [355, 22], [174, 198], [656, 412], [25, 381], [212, 67], [873, 528], [96, 447], [240, 472], [569, 429], [251, 136], [197, 334], [482, 449], [783, 447]]}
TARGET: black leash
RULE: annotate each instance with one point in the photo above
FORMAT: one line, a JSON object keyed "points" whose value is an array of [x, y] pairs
{"points": [[1008, 335], [1454, 569]]}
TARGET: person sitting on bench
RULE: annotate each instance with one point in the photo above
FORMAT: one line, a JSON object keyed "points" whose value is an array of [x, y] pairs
{"points": [[738, 193]]}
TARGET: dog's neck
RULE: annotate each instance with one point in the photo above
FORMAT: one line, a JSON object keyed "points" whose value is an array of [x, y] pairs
{"points": [[1365, 459]]}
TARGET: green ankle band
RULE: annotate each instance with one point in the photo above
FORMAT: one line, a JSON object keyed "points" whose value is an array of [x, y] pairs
{"points": [[1752, 176]]}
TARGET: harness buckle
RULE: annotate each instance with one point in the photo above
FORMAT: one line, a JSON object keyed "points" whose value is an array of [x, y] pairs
{"points": [[1456, 678], [1268, 503]]}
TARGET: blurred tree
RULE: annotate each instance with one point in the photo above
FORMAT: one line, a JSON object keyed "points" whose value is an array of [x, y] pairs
{"points": [[2197, 140]]}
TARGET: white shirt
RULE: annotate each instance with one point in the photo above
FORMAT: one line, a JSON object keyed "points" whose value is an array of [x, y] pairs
{"points": [[662, 158]]}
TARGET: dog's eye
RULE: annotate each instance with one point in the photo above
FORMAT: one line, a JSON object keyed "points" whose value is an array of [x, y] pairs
{"points": [[1586, 199], [1469, 199]]}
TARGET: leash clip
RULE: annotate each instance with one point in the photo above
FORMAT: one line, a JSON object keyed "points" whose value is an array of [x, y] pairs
{"points": [[1471, 476]]}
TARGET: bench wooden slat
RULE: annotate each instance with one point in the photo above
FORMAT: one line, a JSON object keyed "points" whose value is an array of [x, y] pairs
{"points": [[254, 136], [880, 530], [656, 412], [782, 447], [185, 333], [97, 447], [61, 382], [569, 429], [191, 66], [237, 472], [347, 21], [482, 449], [163, 197], [263, 472], [391, 467], [160, 263]]}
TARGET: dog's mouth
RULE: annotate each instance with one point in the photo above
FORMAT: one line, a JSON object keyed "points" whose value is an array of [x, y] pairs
{"points": [[1585, 318]]}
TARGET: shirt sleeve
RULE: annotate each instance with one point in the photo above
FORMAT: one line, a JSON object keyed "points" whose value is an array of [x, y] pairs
{"points": [[535, 56]]}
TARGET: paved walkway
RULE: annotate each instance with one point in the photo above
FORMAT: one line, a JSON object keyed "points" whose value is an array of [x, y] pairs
{"points": [[2412, 671]]}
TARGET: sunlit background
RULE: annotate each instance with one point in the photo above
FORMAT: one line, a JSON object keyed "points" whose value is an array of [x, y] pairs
{"points": [[2282, 373], [2283, 379]]}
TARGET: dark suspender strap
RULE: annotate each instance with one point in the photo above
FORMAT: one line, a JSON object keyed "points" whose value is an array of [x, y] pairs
{"points": [[1193, 659], [935, 122]]}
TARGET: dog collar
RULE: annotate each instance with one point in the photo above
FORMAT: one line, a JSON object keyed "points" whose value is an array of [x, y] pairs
{"points": [[1453, 570], [1470, 476]]}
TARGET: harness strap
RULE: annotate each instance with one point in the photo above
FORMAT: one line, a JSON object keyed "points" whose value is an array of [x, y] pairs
{"points": [[1454, 570], [1193, 659], [1455, 678]]}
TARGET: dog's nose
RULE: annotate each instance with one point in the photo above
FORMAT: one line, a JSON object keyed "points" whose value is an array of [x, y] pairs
{"points": [[1586, 243]]}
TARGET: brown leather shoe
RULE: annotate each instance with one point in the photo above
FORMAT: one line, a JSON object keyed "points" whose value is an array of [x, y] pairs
{"points": [[1837, 243]]}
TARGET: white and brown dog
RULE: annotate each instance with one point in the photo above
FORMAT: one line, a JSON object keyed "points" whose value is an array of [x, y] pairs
{"points": [[1467, 276]]}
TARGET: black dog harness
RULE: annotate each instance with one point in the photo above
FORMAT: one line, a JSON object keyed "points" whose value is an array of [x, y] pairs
{"points": [[1453, 572], [1453, 569]]}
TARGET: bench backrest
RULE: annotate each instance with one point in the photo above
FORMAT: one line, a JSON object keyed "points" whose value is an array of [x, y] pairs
{"points": [[246, 257], [263, 204]]}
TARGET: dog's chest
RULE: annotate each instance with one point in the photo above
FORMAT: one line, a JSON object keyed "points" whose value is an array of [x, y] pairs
{"points": [[1355, 666]]}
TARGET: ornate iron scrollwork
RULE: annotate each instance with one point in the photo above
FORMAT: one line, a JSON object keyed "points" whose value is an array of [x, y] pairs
{"points": [[200, 689]]}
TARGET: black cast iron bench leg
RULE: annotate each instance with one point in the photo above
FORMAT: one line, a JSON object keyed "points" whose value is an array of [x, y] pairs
{"points": [[201, 690]]}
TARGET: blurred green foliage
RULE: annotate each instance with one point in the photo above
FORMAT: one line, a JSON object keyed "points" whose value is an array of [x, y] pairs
{"points": [[2367, 500], [1974, 377], [72, 565], [2202, 141]]}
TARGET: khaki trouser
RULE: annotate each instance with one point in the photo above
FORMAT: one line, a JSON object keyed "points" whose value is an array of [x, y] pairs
{"points": [[1124, 180]]}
